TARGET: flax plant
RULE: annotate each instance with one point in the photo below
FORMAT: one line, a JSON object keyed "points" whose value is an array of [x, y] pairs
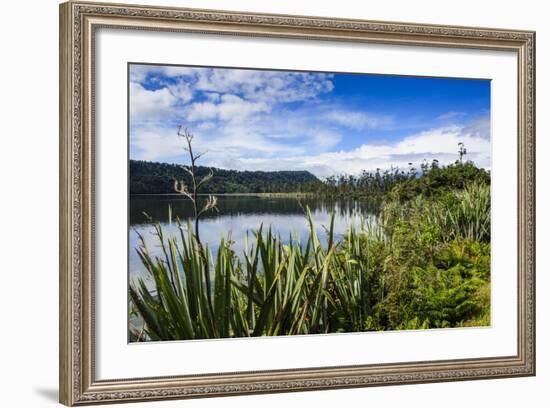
{"points": [[371, 278]]}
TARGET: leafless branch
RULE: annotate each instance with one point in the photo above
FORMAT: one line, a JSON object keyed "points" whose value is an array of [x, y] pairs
{"points": [[181, 187], [206, 178], [198, 156], [188, 170], [211, 204], [192, 192]]}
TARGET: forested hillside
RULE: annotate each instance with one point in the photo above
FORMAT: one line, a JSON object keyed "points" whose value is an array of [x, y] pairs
{"points": [[158, 178]]}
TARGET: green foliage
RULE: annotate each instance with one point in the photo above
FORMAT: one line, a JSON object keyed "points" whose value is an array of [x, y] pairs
{"points": [[184, 305], [158, 178], [430, 181], [460, 214], [279, 289], [437, 267], [424, 263], [372, 279], [466, 213], [436, 181], [371, 184]]}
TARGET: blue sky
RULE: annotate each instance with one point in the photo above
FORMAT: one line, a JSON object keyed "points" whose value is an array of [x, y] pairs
{"points": [[325, 123]]}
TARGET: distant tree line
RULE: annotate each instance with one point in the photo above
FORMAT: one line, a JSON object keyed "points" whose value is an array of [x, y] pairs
{"points": [[158, 178], [431, 179]]}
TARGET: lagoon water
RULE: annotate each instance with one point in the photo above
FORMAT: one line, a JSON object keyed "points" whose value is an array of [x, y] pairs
{"points": [[237, 217]]}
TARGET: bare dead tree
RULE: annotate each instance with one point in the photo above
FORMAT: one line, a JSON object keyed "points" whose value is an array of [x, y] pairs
{"points": [[192, 191]]}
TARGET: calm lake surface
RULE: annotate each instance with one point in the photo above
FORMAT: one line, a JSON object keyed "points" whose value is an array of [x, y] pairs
{"points": [[238, 215]]}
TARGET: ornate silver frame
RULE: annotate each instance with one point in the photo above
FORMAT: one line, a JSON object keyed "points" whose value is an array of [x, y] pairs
{"points": [[78, 22]]}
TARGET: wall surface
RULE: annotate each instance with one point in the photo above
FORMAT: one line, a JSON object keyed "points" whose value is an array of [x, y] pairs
{"points": [[28, 171]]}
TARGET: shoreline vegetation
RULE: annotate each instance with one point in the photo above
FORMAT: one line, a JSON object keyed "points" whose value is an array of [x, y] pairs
{"points": [[151, 178], [285, 195], [424, 263]]}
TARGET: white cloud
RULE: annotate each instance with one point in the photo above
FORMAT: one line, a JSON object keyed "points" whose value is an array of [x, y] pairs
{"points": [[178, 71], [204, 126], [139, 73], [254, 85], [192, 95], [322, 139], [241, 147], [451, 115], [155, 144], [267, 86], [230, 108], [147, 103], [440, 144], [359, 120], [480, 127], [212, 96], [224, 144], [182, 91]]}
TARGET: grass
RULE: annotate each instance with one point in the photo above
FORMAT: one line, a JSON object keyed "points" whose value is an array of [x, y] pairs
{"points": [[422, 265]]}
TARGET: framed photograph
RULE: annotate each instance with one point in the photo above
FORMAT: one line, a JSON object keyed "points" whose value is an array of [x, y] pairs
{"points": [[256, 203]]}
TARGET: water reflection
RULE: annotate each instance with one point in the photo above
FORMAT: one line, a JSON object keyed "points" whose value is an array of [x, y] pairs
{"points": [[237, 216]]}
